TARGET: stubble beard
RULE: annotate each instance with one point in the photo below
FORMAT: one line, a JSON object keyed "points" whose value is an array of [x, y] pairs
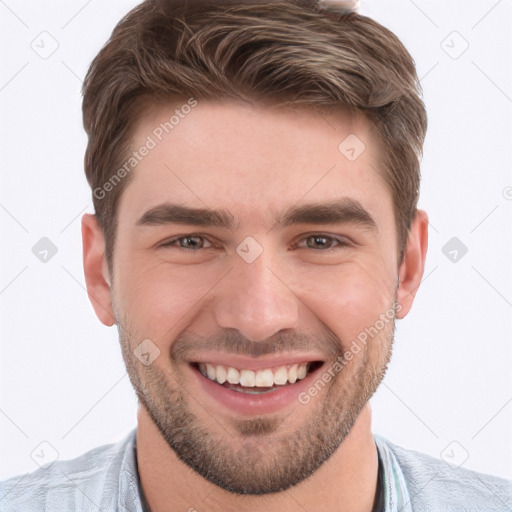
{"points": [[253, 456]]}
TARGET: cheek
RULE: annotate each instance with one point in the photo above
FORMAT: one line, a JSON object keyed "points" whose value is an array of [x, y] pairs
{"points": [[161, 299], [347, 298]]}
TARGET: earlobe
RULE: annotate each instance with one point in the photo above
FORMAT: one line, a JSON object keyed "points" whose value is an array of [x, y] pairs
{"points": [[413, 265], [97, 278]]}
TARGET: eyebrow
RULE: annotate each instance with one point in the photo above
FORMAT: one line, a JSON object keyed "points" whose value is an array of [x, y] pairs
{"points": [[345, 210]]}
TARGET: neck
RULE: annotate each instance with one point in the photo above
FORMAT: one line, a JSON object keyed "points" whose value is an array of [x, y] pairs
{"points": [[346, 482]]}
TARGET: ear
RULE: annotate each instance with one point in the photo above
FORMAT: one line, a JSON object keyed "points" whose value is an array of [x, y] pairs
{"points": [[413, 264], [96, 274]]}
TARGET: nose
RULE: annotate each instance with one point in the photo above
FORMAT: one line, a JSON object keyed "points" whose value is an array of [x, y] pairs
{"points": [[254, 299]]}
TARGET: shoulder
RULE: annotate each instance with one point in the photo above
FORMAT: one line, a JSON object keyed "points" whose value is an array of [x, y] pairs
{"points": [[88, 482], [433, 484]]}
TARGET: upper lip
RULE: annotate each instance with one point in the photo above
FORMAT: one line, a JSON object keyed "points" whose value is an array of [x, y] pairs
{"points": [[254, 363]]}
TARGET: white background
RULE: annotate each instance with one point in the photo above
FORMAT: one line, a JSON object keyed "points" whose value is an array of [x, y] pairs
{"points": [[61, 373]]}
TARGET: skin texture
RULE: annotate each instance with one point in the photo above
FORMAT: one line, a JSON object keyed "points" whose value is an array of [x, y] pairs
{"points": [[299, 297]]}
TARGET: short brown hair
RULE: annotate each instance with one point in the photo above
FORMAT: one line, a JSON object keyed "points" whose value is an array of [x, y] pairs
{"points": [[288, 51]]}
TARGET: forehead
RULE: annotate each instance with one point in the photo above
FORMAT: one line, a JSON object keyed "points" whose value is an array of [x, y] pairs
{"points": [[252, 160]]}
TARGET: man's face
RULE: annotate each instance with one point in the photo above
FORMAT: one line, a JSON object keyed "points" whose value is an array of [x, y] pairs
{"points": [[261, 291]]}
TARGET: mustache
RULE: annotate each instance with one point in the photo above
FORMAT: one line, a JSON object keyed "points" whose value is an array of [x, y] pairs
{"points": [[233, 342]]}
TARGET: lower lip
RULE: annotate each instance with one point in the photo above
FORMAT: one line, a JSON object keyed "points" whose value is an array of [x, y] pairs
{"points": [[250, 404]]}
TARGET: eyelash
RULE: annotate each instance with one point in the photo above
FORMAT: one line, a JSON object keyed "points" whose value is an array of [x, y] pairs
{"points": [[340, 242]]}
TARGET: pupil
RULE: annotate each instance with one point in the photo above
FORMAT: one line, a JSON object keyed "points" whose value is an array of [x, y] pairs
{"points": [[319, 240], [190, 241]]}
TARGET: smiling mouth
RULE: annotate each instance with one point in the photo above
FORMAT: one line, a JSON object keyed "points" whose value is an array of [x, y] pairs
{"points": [[264, 380]]}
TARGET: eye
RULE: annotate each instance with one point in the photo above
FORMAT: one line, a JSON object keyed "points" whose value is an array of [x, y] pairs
{"points": [[322, 242], [188, 243], [319, 242]]}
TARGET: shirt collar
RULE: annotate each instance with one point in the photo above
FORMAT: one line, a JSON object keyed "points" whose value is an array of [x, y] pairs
{"points": [[396, 494]]}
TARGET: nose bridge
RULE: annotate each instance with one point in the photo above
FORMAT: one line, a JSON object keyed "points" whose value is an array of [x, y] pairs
{"points": [[255, 300]]}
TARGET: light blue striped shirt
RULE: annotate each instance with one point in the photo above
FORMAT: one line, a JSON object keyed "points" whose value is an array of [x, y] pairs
{"points": [[106, 479]]}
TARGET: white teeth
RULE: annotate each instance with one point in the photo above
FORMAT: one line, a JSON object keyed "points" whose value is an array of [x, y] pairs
{"points": [[302, 370], [210, 371], [247, 378], [263, 378], [281, 376], [292, 374], [221, 374], [233, 376]]}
